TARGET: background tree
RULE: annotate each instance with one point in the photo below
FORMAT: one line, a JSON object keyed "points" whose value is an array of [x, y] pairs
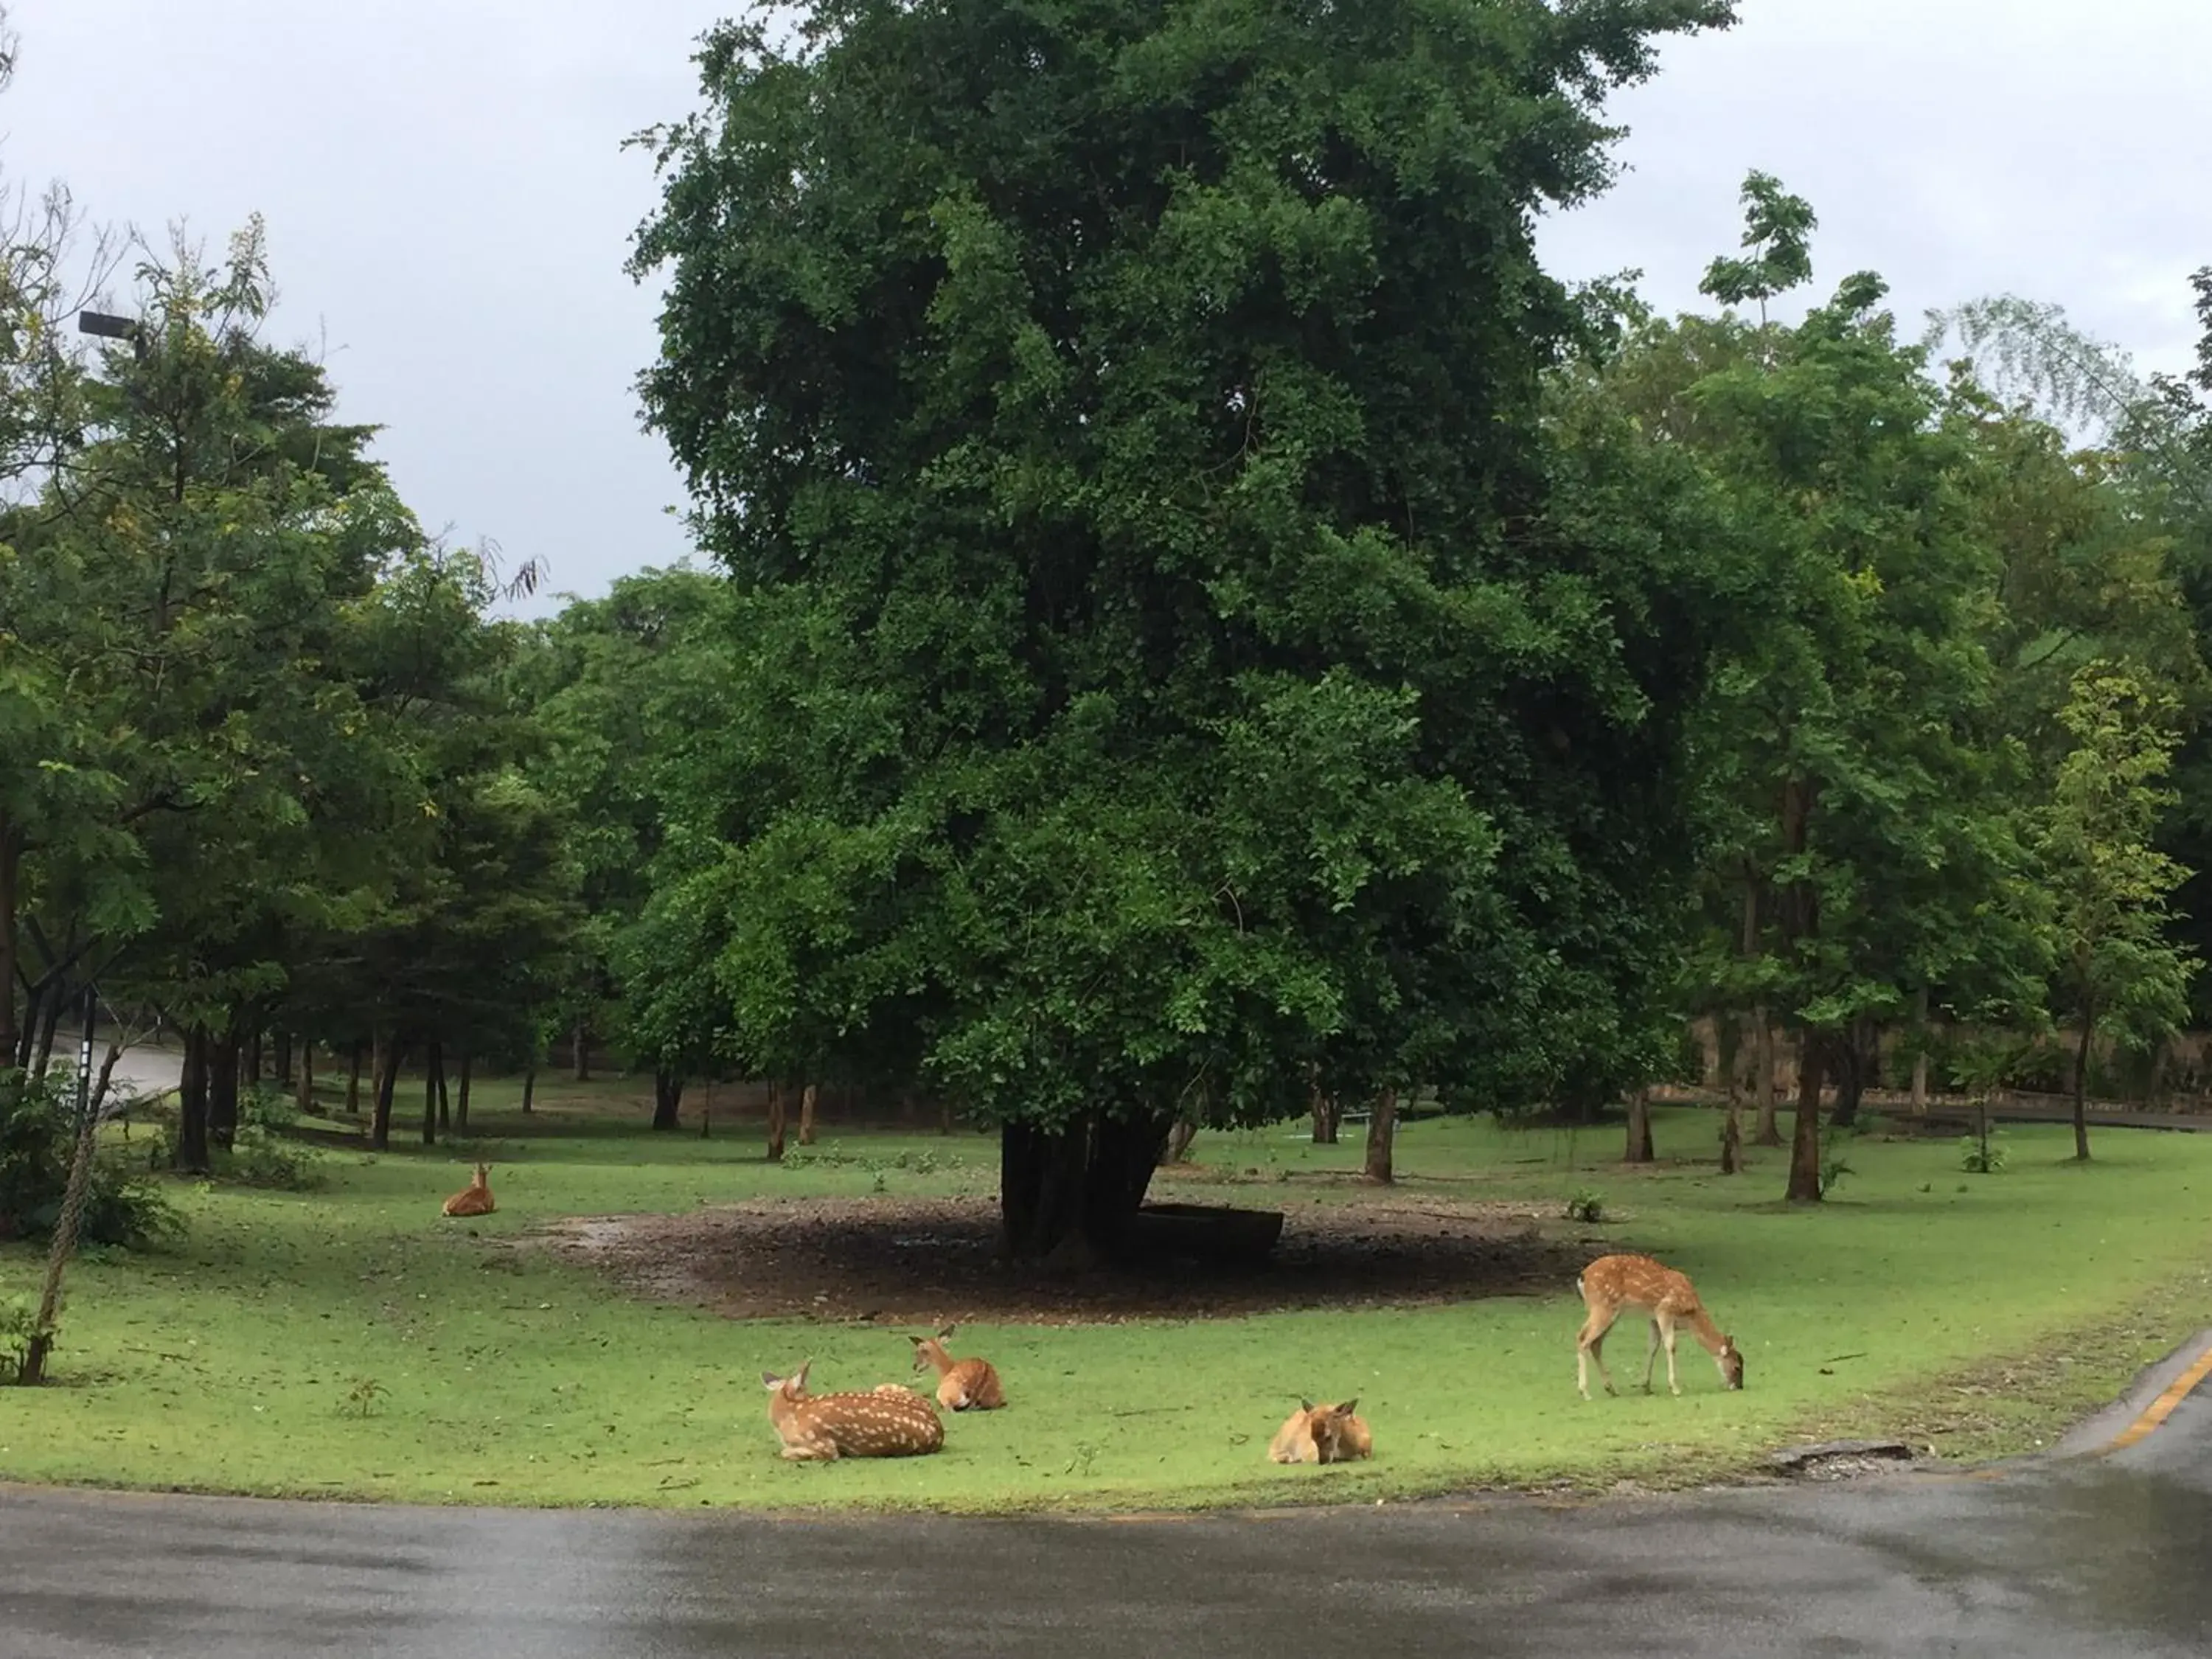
{"points": [[2110, 884]]}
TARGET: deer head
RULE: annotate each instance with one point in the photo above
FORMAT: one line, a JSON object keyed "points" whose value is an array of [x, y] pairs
{"points": [[1730, 1360]]}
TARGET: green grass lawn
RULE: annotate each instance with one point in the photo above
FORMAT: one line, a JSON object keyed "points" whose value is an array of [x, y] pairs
{"points": [[1975, 1313]]}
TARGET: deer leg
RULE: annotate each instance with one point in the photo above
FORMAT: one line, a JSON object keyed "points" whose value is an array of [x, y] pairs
{"points": [[1651, 1352], [1664, 1327], [1589, 1346]]}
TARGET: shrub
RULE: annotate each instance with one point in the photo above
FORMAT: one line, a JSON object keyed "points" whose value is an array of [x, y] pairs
{"points": [[259, 1158], [1585, 1204], [122, 1206], [18, 1321]]}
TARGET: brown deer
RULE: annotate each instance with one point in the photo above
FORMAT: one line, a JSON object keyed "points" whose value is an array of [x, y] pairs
{"points": [[962, 1385], [1321, 1434], [475, 1199], [826, 1427], [1613, 1285]]}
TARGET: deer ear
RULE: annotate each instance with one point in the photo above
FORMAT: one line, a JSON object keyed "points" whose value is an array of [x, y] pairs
{"points": [[770, 1381], [946, 1332], [798, 1376], [917, 1341], [1304, 1404], [1350, 1405]]}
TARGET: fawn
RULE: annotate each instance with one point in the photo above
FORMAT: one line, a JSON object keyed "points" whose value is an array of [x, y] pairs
{"points": [[475, 1199], [1613, 1285], [886, 1421], [962, 1385], [1321, 1434]]}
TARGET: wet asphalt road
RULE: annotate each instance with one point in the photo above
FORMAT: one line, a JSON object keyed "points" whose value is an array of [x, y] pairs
{"points": [[2104, 1556]]}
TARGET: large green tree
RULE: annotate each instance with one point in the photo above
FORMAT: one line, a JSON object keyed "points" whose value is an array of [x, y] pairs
{"points": [[1123, 424]]}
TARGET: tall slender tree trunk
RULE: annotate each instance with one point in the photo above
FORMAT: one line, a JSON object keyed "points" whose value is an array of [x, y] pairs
{"points": [[667, 1099], [445, 1100], [1381, 1136], [222, 1088], [1805, 1144], [1640, 1149], [529, 1089], [1765, 1129], [433, 1072], [191, 1154], [1920, 1059], [253, 1057], [2081, 1084], [945, 1115], [775, 1121], [11, 863], [305, 1099], [50, 1004], [580, 1051], [387, 1085], [1853, 1069], [352, 1080], [461, 1105], [806, 1097], [284, 1059]]}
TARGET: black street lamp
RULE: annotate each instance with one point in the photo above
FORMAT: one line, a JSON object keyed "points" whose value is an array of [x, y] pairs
{"points": [[109, 326]]}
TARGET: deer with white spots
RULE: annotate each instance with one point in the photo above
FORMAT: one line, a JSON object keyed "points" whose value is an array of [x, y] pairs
{"points": [[1614, 1284], [885, 1422], [962, 1385]]}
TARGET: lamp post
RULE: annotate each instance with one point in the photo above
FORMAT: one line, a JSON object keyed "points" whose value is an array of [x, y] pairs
{"points": [[106, 325]]}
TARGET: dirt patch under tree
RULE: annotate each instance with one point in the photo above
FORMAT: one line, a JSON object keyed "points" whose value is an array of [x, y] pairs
{"points": [[906, 1261]]}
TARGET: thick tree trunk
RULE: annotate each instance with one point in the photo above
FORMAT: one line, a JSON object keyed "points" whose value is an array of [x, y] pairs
{"points": [[191, 1154], [2081, 1087], [581, 1053], [222, 1089], [304, 1100], [1805, 1145], [1065, 1194], [529, 1089], [445, 1100], [387, 1085], [1324, 1115], [1640, 1149], [806, 1097], [433, 1073], [776, 1122], [1766, 1131], [1178, 1142], [1382, 1138], [667, 1099], [284, 1059], [461, 1105], [1732, 1141], [352, 1080]]}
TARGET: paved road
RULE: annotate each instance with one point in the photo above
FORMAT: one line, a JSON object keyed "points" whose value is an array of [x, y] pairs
{"points": [[2103, 1556]]}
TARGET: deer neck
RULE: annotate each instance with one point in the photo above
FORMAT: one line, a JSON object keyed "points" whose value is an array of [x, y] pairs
{"points": [[1700, 1325], [939, 1361]]}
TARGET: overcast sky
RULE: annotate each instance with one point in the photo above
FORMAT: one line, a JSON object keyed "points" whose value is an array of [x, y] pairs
{"points": [[449, 206]]}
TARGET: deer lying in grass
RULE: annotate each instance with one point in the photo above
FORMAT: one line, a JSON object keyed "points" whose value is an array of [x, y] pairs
{"points": [[1321, 1434], [1613, 1285], [962, 1385], [475, 1199], [887, 1421]]}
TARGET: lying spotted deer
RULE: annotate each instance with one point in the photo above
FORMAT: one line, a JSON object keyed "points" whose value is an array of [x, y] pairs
{"points": [[1321, 1434], [475, 1199], [1613, 1285], [887, 1421], [962, 1385]]}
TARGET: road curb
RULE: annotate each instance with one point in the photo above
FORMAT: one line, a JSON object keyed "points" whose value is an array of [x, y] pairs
{"points": [[2150, 1399]]}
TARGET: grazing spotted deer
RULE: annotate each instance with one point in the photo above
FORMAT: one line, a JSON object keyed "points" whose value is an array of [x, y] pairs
{"points": [[1321, 1434], [962, 1385], [880, 1423], [1613, 1285], [475, 1199]]}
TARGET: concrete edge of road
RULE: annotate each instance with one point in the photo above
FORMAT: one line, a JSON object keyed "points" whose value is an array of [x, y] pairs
{"points": [[2150, 1399]]}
